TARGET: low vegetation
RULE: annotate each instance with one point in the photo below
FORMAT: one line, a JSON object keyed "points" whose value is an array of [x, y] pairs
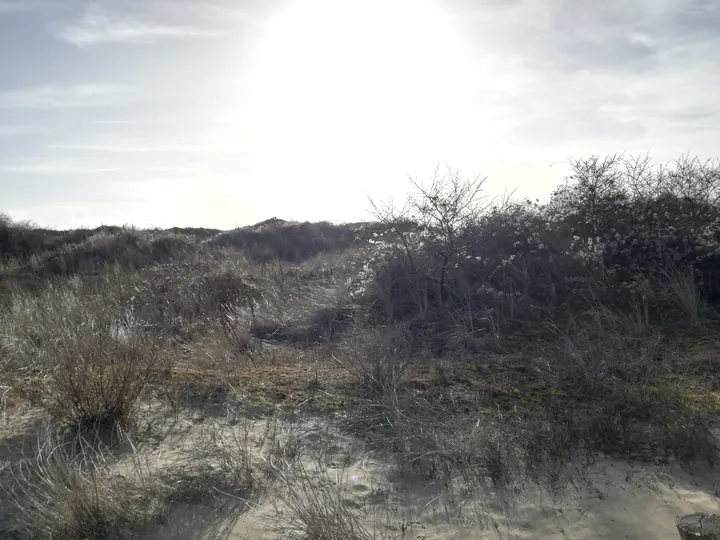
{"points": [[70, 489], [475, 342]]}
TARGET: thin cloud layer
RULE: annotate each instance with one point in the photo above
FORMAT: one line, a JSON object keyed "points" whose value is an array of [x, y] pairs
{"points": [[173, 85], [52, 167], [97, 26], [14, 130], [64, 96], [24, 6], [582, 74]]}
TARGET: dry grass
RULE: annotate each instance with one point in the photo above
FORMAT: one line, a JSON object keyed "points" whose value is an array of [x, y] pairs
{"points": [[480, 345], [684, 293], [74, 490], [100, 387], [316, 507], [79, 488], [378, 358], [219, 463], [92, 360]]}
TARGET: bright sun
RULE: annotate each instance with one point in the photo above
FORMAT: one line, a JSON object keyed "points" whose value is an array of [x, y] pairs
{"points": [[336, 82]]}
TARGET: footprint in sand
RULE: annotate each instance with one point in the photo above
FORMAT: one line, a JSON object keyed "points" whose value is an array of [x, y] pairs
{"points": [[333, 450]]}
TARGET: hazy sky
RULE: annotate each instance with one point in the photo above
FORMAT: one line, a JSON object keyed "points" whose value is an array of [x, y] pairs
{"points": [[225, 112]]}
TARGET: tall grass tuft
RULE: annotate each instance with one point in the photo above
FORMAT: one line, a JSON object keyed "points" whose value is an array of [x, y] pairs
{"points": [[71, 490]]}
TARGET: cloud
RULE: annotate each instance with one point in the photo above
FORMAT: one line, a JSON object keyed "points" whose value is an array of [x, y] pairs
{"points": [[58, 168], [550, 79], [698, 18], [24, 6], [97, 26], [218, 12], [137, 147], [14, 7], [177, 187], [612, 36], [13, 130], [68, 96], [579, 75], [70, 168]]}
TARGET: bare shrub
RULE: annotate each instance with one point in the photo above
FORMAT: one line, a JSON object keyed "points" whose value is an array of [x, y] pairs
{"points": [[642, 218], [100, 373], [469, 271], [441, 214], [94, 358]]}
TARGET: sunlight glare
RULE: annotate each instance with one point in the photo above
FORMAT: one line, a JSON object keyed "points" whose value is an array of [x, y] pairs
{"points": [[376, 84]]}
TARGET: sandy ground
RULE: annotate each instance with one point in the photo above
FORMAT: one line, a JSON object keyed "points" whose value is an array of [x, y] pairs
{"points": [[617, 499]]}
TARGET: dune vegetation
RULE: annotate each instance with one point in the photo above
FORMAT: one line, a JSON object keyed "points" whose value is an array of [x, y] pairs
{"points": [[301, 380]]}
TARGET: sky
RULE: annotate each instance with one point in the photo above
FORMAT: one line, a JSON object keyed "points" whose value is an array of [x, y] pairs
{"points": [[222, 113]]}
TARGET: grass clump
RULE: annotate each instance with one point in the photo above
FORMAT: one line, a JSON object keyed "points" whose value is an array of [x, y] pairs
{"points": [[91, 361], [97, 381], [73, 490], [316, 508], [219, 463], [378, 358]]}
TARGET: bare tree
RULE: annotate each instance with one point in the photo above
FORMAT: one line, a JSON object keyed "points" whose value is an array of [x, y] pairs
{"points": [[442, 212]]}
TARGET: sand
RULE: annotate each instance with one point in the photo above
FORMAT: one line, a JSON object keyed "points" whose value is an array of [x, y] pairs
{"points": [[616, 499]]}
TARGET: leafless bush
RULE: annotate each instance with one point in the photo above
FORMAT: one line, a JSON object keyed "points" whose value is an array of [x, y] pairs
{"points": [[94, 358], [100, 373]]}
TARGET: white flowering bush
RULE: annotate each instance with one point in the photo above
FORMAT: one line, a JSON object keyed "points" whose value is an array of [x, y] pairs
{"points": [[642, 219], [452, 264]]}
